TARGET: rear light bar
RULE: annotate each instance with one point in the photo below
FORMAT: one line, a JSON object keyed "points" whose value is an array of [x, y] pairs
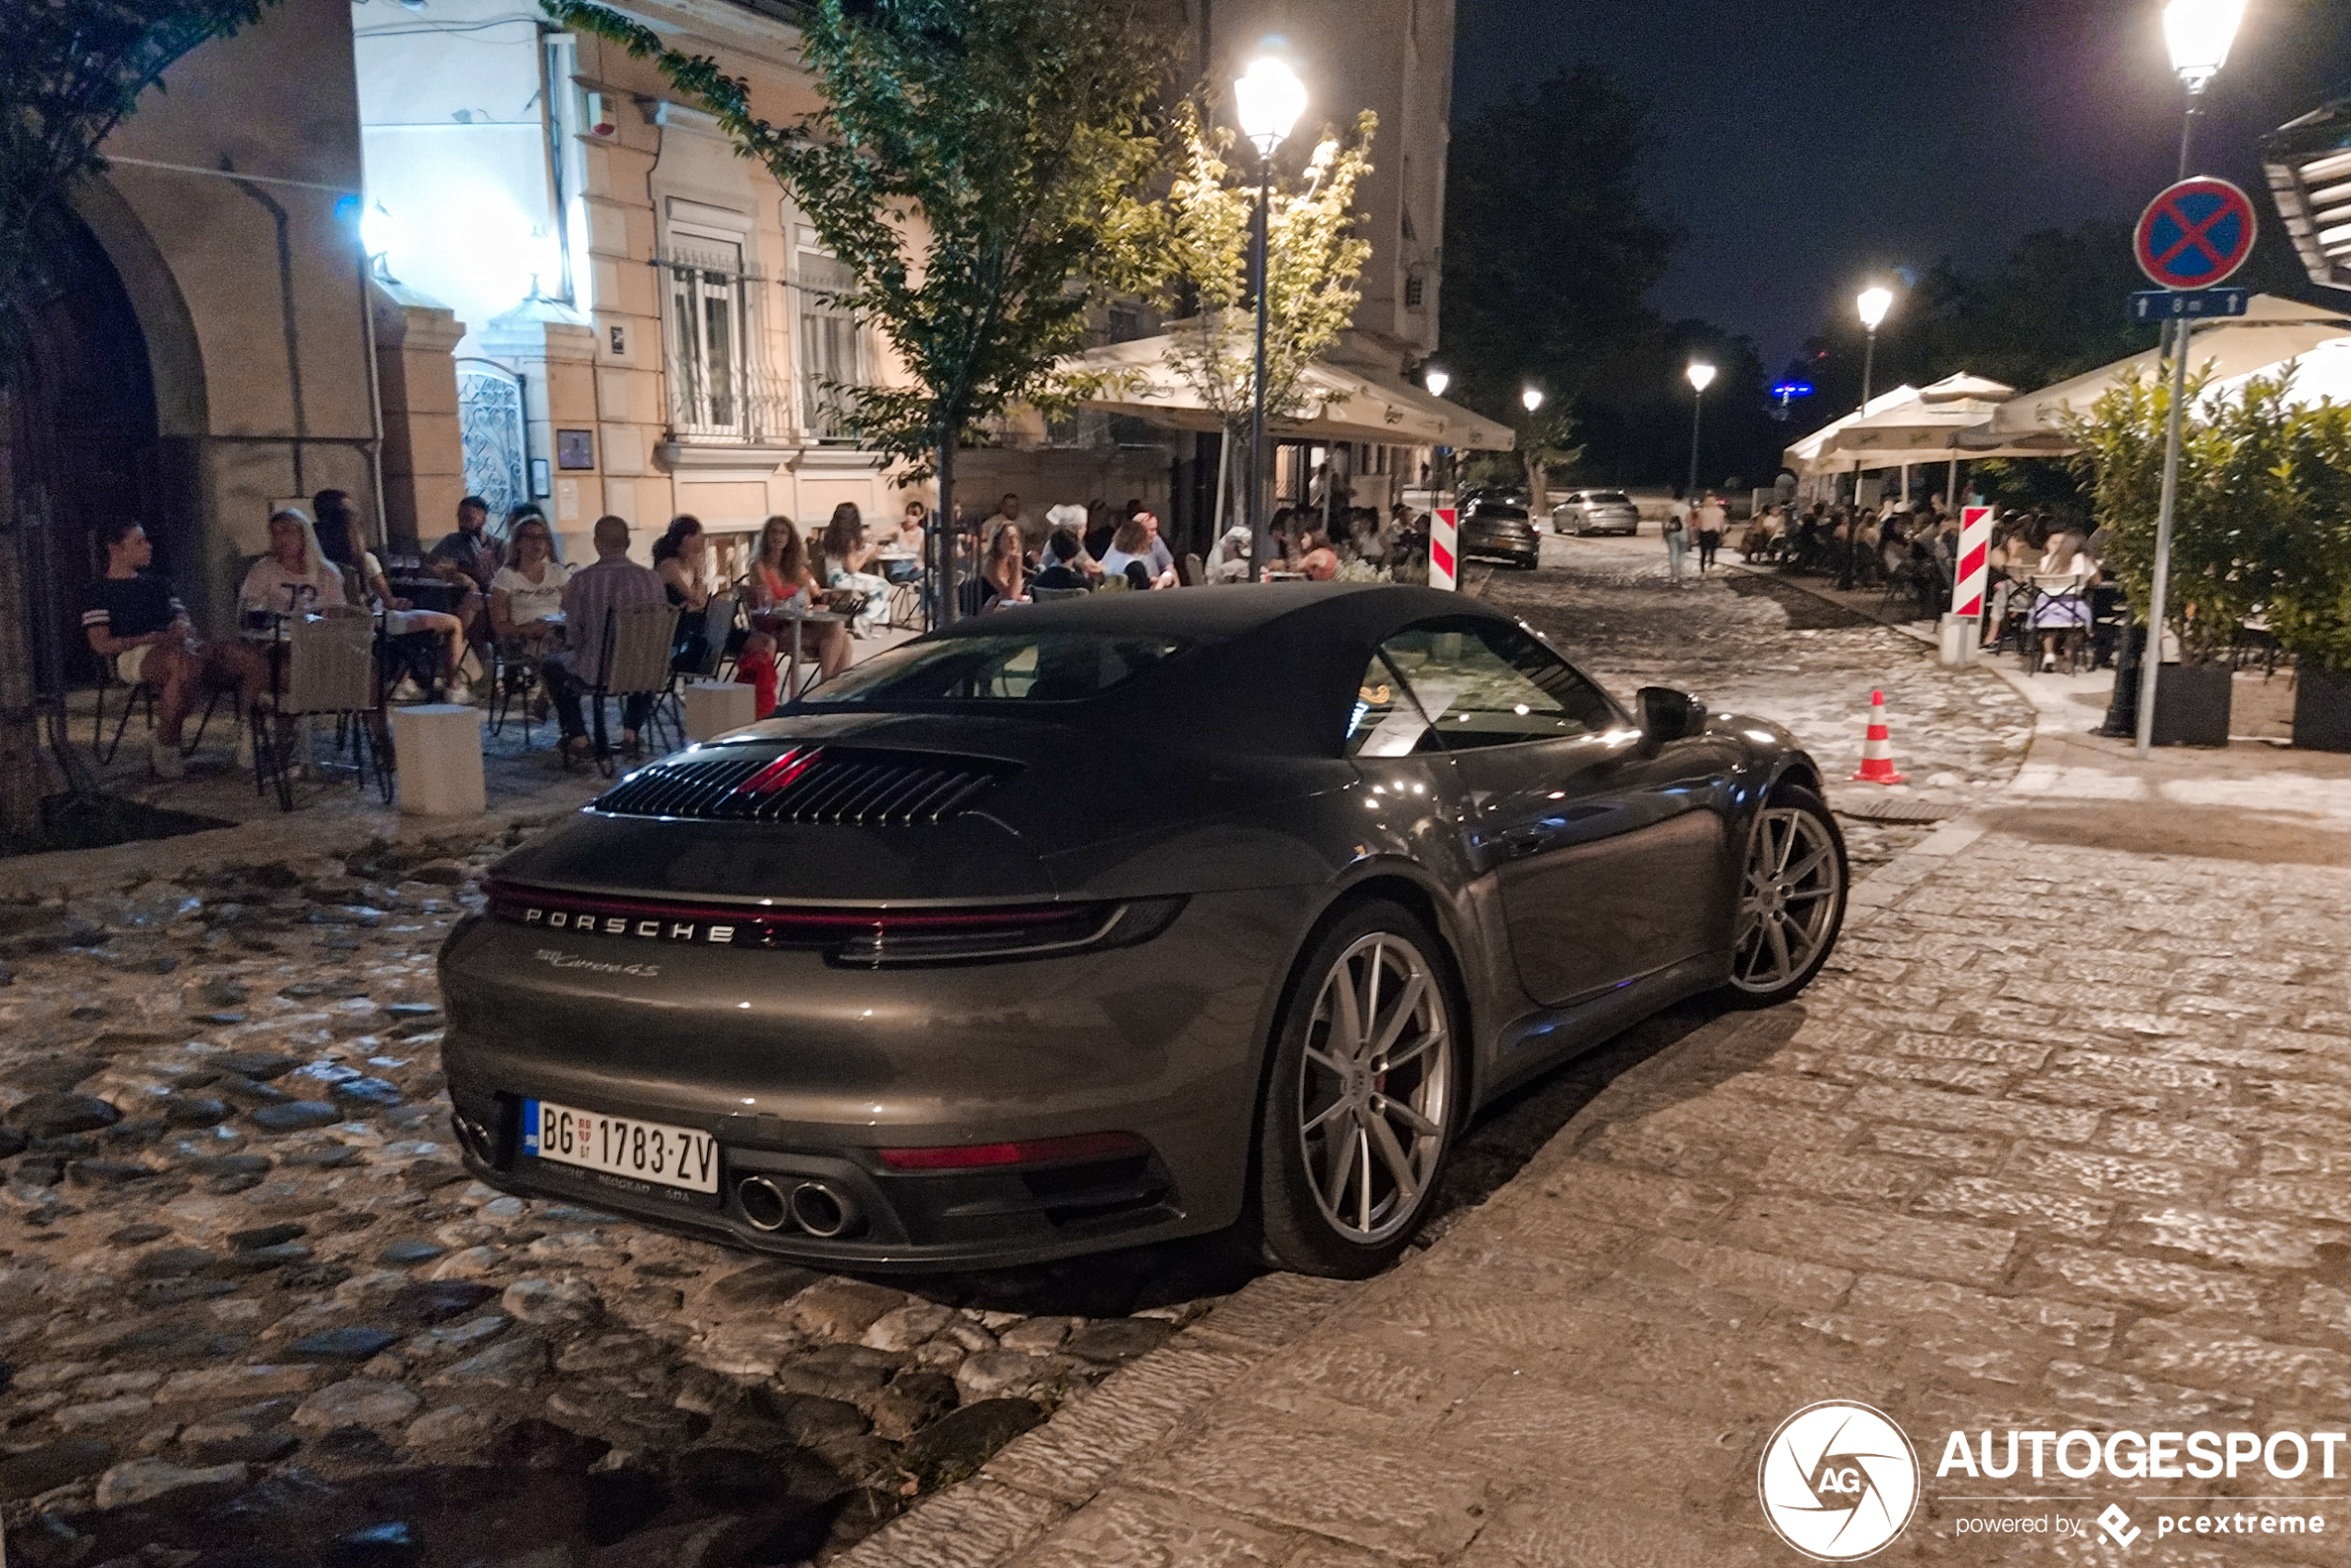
{"points": [[854, 938], [1029, 1151]]}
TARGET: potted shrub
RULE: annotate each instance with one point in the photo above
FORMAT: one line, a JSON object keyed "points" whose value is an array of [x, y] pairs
{"points": [[2311, 614], [2228, 528]]}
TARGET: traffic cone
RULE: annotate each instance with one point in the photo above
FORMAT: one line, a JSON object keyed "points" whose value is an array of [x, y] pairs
{"points": [[1877, 751]]}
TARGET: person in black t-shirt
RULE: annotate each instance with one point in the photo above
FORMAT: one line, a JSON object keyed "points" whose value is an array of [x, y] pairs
{"points": [[136, 622]]}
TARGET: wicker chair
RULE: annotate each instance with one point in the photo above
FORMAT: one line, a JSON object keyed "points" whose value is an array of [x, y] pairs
{"points": [[331, 670], [638, 640]]}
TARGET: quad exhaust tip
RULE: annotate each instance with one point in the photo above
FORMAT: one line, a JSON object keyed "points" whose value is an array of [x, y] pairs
{"points": [[815, 1207], [823, 1212]]}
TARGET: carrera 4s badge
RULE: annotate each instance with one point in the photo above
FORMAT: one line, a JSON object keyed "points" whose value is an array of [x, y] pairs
{"points": [[557, 960]]}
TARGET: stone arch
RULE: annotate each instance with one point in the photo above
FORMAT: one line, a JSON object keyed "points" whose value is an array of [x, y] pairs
{"points": [[175, 359]]}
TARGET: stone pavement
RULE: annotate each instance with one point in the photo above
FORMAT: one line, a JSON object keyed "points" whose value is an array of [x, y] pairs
{"points": [[2056, 1143], [251, 1309]]}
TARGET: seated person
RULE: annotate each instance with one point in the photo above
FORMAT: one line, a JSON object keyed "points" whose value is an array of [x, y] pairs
{"points": [[293, 579], [1228, 562], [467, 559], [136, 622], [1131, 546], [527, 596], [1061, 570], [593, 593], [343, 543], [1318, 561]]}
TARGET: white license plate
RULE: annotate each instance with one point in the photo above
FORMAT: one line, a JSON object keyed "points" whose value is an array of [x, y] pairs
{"points": [[620, 1146]]}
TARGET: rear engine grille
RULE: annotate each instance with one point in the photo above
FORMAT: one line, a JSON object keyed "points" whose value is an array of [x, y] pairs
{"points": [[836, 785]]}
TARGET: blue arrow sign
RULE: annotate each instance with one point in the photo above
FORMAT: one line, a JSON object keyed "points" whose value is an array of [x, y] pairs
{"points": [[2173, 305]]}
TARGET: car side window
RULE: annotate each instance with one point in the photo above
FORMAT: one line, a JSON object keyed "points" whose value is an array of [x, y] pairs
{"points": [[1385, 721], [1487, 683]]}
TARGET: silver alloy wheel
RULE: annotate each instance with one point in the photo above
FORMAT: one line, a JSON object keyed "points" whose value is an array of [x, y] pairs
{"points": [[1789, 899], [1375, 1087]]}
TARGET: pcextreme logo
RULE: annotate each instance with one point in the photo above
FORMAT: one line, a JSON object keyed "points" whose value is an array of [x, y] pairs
{"points": [[1838, 1481]]}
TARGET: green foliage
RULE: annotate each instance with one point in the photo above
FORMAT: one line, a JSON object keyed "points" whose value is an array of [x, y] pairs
{"points": [[979, 169], [2260, 518], [1313, 260], [71, 71], [2311, 612]]}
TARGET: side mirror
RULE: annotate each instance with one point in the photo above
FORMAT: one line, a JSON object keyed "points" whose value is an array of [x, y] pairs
{"points": [[1667, 714]]}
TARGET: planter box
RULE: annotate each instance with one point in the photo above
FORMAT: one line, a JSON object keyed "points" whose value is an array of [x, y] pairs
{"points": [[2322, 710], [2192, 704]]}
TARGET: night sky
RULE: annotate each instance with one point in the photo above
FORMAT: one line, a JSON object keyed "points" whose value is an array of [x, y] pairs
{"points": [[1804, 144]]}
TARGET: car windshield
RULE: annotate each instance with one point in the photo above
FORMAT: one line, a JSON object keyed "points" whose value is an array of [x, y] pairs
{"points": [[1608, 498], [1504, 513], [1042, 666]]}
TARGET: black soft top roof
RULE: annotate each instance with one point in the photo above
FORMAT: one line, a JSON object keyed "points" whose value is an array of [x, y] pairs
{"points": [[1274, 668]]}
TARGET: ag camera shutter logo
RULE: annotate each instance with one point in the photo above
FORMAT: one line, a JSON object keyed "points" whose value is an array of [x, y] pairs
{"points": [[1838, 1481]]}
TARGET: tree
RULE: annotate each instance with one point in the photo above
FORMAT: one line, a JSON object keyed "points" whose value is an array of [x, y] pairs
{"points": [[1549, 251], [1313, 260], [980, 171]]}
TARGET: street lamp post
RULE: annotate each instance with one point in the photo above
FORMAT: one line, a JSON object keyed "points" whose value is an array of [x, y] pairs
{"points": [[1267, 99], [1873, 304], [1530, 399], [1436, 381], [1702, 377], [2197, 33]]}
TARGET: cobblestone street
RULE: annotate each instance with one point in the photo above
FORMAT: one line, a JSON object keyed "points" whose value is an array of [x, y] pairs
{"points": [[2055, 1140]]}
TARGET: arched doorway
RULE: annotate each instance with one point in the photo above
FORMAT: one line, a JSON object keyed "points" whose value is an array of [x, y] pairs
{"points": [[83, 445]]}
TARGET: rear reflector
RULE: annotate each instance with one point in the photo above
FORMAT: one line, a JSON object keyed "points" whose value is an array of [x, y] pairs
{"points": [[970, 1156]]}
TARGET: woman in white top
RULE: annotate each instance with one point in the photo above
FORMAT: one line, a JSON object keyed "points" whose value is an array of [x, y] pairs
{"points": [[293, 578], [527, 596], [2065, 577]]}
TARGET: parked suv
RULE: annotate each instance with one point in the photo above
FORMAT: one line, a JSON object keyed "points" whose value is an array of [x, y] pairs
{"points": [[1596, 511]]}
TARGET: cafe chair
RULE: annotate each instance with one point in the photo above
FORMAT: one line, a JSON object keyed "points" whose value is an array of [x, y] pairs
{"points": [[637, 641], [330, 671], [136, 696]]}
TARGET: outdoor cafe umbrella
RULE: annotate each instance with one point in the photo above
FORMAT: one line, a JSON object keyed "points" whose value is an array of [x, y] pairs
{"points": [[2272, 330]]}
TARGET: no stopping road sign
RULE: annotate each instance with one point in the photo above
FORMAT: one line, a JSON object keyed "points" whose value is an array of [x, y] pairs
{"points": [[2195, 233]]}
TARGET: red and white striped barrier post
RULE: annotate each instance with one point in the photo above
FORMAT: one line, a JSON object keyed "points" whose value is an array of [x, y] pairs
{"points": [[1444, 548], [1964, 625], [1877, 748]]}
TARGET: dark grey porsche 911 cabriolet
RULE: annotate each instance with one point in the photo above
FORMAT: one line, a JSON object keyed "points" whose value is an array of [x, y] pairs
{"points": [[1105, 922]]}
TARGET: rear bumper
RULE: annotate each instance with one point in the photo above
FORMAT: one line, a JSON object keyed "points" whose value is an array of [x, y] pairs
{"points": [[803, 1071]]}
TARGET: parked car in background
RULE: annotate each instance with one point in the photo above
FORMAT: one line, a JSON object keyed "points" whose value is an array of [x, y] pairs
{"points": [[1492, 528], [1596, 511]]}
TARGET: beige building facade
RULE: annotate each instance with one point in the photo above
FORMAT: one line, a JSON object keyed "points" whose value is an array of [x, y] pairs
{"points": [[418, 252]]}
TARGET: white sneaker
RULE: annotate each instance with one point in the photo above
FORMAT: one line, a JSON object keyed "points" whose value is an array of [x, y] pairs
{"points": [[459, 692], [165, 760], [407, 690]]}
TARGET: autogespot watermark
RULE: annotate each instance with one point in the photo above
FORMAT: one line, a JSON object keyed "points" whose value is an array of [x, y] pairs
{"points": [[1840, 1481]]}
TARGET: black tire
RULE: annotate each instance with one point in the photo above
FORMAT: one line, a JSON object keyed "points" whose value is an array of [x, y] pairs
{"points": [[1767, 983], [1296, 1230]]}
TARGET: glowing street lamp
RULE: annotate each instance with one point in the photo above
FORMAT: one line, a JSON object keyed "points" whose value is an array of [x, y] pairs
{"points": [[1873, 304], [1436, 381], [1531, 399], [2198, 34], [1267, 100], [1702, 377]]}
